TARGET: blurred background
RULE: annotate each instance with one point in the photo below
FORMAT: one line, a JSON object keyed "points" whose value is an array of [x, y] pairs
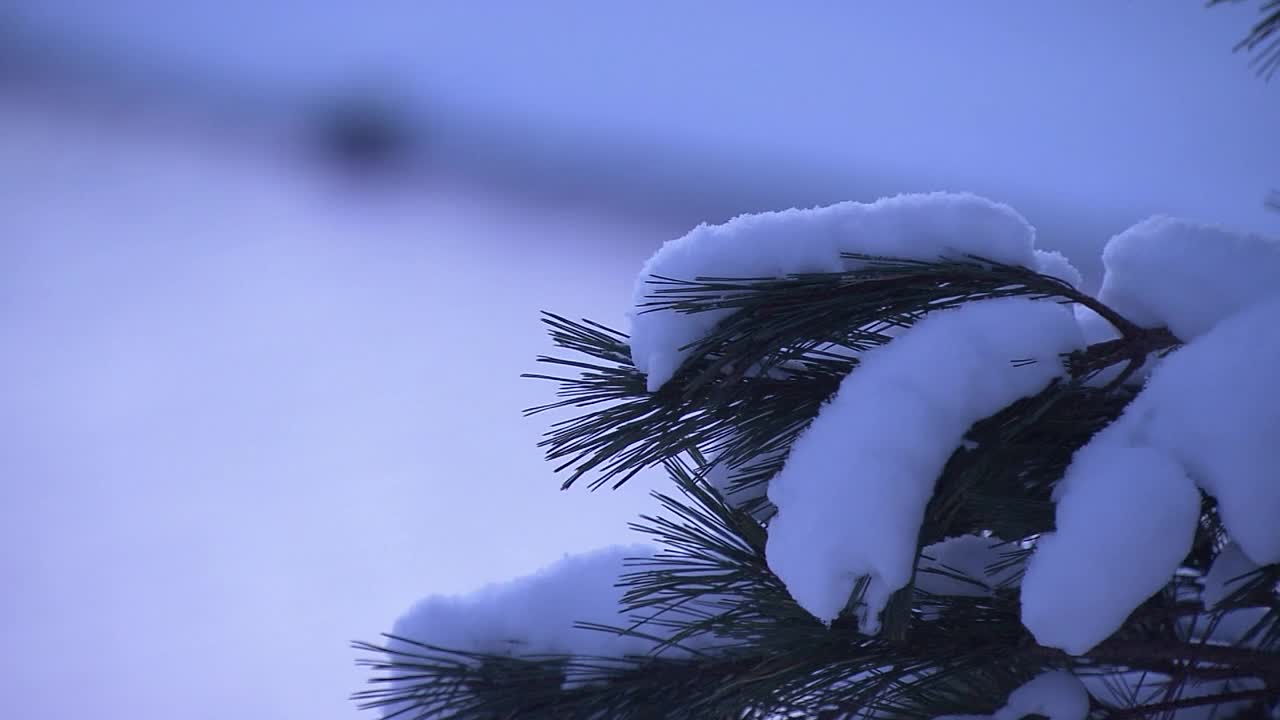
{"points": [[269, 272]]}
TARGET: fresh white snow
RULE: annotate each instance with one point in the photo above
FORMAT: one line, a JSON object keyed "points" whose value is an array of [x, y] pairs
{"points": [[1124, 523], [853, 492], [1055, 264], [851, 497], [1187, 276], [774, 244], [854, 488], [535, 614], [1213, 406], [1128, 506], [531, 615]]}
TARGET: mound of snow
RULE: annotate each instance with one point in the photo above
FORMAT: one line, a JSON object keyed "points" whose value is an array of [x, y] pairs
{"points": [[852, 494], [775, 244]]}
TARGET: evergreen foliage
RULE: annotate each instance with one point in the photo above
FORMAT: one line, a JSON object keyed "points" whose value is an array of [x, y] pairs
{"points": [[746, 393], [1263, 40]]}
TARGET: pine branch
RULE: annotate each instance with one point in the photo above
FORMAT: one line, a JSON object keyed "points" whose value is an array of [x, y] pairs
{"points": [[760, 377], [728, 640], [959, 654], [778, 321], [638, 429], [1263, 39], [1243, 662], [1156, 709], [773, 657]]}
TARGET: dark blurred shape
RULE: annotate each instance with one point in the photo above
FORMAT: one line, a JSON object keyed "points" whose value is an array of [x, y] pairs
{"points": [[365, 134]]}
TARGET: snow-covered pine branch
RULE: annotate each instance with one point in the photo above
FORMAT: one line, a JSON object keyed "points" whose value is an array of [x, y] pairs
{"points": [[920, 472]]}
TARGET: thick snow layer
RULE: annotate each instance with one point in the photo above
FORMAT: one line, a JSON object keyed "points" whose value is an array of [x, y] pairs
{"points": [[1185, 276], [1213, 406], [535, 614], [1128, 505], [1124, 523], [775, 244], [853, 492], [1055, 264], [958, 566]]}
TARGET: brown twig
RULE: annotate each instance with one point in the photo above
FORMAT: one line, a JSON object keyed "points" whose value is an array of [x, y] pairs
{"points": [[1218, 698], [1133, 349]]}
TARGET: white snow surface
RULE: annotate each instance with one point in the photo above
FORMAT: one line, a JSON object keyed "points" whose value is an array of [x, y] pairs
{"points": [[1124, 524], [530, 615], [1128, 506], [1186, 276], [774, 244], [968, 556], [853, 492], [1055, 264], [1212, 407], [535, 614]]}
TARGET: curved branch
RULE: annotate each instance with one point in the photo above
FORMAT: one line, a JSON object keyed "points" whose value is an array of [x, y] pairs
{"points": [[1247, 662]]}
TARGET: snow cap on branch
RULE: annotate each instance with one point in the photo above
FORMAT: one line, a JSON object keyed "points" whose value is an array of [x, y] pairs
{"points": [[1055, 264], [1214, 406], [1128, 505], [775, 244], [852, 495], [1186, 276], [1124, 524], [535, 614]]}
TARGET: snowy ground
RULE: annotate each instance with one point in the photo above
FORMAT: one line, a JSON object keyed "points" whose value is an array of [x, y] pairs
{"points": [[253, 413]]}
